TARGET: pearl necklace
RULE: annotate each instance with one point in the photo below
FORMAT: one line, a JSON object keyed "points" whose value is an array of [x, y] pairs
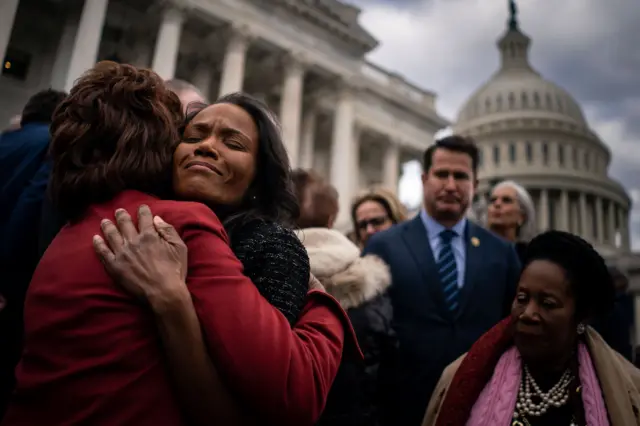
{"points": [[557, 396]]}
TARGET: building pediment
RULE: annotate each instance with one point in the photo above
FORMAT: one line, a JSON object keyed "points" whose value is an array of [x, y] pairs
{"points": [[337, 18]]}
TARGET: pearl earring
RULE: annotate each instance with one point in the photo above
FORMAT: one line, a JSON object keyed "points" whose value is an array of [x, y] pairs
{"points": [[581, 328]]}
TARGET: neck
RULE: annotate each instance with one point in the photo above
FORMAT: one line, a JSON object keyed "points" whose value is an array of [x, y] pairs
{"points": [[547, 374], [445, 220], [506, 232]]}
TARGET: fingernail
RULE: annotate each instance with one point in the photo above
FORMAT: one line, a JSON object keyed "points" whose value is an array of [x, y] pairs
{"points": [[119, 211], [104, 221], [158, 220], [97, 238], [144, 206]]}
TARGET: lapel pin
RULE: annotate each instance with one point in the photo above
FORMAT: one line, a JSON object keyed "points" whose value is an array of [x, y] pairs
{"points": [[475, 242]]}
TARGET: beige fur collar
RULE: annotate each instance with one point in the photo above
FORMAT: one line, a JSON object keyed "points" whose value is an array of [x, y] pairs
{"points": [[337, 264]]}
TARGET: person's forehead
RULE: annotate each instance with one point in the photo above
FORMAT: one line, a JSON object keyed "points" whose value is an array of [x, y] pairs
{"points": [[505, 190], [446, 156], [370, 207]]}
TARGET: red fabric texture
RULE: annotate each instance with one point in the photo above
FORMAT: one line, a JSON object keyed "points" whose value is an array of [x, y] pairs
{"points": [[92, 353], [474, 372]]}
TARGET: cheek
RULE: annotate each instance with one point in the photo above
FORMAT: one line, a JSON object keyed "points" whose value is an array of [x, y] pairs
{"points": [[244, 170]]}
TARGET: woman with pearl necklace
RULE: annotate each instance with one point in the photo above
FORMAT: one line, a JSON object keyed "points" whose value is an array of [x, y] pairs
{"points": [[544, 365]]}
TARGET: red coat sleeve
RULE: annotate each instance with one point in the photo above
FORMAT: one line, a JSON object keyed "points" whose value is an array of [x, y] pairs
{"points": [[284, 374]]}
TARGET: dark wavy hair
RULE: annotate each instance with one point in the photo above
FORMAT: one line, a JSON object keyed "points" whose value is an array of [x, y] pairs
{"points": [[270, 196], [40, 107], [117, 130]]}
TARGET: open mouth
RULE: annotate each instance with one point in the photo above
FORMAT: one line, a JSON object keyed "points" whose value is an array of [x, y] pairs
{"points": [[204, 164]]}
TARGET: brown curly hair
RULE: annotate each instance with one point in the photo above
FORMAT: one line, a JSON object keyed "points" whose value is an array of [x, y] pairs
{"points": [[117, 130]]}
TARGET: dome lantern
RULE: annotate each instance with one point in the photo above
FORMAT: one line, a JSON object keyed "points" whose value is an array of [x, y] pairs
{"points": [[514, 45]]}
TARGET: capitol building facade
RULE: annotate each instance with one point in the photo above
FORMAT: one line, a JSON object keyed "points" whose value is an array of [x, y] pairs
{"points": [[350, 120]]}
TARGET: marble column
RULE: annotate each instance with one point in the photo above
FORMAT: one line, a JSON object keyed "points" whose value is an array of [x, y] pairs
{"points": [[624, 229], [344, 155], [165, 55], [599, 220], [87, 41], [584, 220], [307, 140], [64, 52], [202, 76], [611, 226], [291, 106], [543, 210], [141, 51], [232, 79], [564, 212], [8, 11], [391, 166]]}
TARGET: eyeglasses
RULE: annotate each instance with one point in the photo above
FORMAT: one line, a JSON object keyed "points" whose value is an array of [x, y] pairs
{"points": [[374, 221]]}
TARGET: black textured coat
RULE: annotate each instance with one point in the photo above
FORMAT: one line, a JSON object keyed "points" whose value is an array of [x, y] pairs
{"points": [[277, 263], [360, 285]]}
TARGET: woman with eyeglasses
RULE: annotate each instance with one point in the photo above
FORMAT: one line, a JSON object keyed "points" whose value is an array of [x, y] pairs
{"points": [[373, 211]]}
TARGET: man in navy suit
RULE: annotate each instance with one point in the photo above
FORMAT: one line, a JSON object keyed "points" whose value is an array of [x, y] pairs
{"points": [[452, 280]]}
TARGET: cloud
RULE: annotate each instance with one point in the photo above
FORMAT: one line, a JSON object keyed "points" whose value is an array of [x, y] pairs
{"points": [[588, 47]]}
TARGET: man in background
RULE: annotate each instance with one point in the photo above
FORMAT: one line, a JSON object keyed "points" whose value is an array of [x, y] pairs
{"points": [[24, 174], [452, 280], [187, 92]]}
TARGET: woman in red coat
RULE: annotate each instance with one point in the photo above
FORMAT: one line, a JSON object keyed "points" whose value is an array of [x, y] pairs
{"points": [[93, 355]]}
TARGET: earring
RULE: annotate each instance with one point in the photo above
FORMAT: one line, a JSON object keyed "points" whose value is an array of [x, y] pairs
{"points": [[581, 328]]}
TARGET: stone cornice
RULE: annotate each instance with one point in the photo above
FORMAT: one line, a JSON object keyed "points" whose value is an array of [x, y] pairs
{"points": [[511, 125], [352, 34]]}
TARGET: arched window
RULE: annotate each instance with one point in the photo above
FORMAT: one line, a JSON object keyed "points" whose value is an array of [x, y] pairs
{"points": [[545, 153], [512, 100], [525, 100], [587, 160], [512, 152], [496, 155], [548, 101], [561, 155], [487, 105], [536, 100], [529, 152], [499, 103]]}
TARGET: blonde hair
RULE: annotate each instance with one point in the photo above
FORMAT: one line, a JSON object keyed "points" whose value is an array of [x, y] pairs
{"points": [[396, 211]]}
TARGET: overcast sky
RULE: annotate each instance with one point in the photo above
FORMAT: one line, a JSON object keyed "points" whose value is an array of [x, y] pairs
{"points": [[589, 47]]}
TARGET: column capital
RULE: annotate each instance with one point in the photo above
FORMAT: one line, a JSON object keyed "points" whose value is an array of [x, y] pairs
{"points": [[296, 62], [239, 37], [178, 7], [348, 86]]}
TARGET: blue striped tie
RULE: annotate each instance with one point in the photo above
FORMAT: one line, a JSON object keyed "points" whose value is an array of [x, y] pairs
{"points": [[448, 270]]}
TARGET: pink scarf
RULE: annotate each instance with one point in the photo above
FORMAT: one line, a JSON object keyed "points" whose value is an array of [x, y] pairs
{"points": [[497, 401]]}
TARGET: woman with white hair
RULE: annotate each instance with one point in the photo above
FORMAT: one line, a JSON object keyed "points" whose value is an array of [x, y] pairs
{"points": [[511, 214]]}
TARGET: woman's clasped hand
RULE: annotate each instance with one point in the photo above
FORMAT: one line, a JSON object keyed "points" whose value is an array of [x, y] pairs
{"points": [[149, 261]]}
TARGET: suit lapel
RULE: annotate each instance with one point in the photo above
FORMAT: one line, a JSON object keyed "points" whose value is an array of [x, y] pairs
{"points": [[416, 238], [473, 261]]}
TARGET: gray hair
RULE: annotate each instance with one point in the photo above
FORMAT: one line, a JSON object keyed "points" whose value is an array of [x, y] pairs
{"points": [[528, 229], [180, 86]]}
